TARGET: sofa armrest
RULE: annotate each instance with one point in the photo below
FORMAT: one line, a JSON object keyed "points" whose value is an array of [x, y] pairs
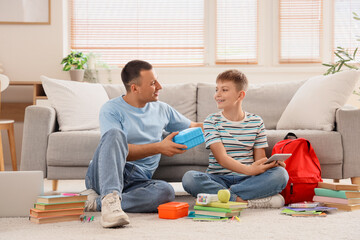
{"points": [[39, 122], [348, 125]]}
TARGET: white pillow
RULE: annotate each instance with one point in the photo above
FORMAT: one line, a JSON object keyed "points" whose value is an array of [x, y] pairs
{"points": [[77, 104], [313, 106]]}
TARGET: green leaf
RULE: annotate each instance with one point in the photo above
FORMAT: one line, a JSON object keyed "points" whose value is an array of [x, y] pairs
{"points": [[67, 67], [354, 54], [351, 66], [341, 64], [327, 65], [338, 55]]}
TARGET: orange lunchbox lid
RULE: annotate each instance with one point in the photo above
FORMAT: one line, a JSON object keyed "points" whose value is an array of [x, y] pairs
{"points": [[173, 205], [173, 210]]}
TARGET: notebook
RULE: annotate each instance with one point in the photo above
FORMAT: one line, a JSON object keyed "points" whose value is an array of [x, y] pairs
{"points": [[19, 191]]}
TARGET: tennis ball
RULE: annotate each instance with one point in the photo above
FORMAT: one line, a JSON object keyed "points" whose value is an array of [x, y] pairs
{"points": [[224, 195]]}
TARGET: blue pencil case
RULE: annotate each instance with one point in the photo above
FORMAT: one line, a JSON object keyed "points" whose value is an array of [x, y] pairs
{"points": [[190, 137]]}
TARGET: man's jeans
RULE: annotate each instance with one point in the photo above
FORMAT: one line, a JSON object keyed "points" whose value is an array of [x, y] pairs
{"points": [[246, 187], [109, 171]]}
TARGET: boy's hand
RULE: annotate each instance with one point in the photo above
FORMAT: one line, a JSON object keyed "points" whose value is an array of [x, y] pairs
{"points": [[281, 164], [259, 167], [169, 148]]}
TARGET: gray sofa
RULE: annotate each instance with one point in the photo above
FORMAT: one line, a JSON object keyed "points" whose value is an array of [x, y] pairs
{"points": [[66, 155]]}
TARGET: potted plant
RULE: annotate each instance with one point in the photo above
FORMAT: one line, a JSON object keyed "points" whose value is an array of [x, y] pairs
{"points": [[75, 63]]}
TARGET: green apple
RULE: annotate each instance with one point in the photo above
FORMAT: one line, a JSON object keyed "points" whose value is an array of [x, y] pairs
{"points": [[224, 195]]}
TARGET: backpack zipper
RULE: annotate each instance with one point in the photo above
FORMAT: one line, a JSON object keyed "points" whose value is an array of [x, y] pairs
{"points": [[291, 188]]}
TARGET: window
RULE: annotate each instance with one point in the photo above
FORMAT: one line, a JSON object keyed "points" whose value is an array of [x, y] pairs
{"points": [[211, 32], [300, 31], [346, 29], [164, 32], [236, 31]]}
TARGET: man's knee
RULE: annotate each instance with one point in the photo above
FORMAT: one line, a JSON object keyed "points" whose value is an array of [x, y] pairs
{"points": [[166, 192], [114, 133], [114, 137]]}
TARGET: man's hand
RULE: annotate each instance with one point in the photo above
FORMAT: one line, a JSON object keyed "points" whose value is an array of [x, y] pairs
{"points": [[259, 167], [169, 148]]}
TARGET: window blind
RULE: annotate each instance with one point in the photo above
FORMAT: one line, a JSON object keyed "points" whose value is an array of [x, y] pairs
{"points": [[300, 31], [346, 29], [163, 32], [236, 31]]}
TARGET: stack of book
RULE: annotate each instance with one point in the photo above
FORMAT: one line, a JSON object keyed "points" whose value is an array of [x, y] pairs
{"points": [[58, 208], [306, 209], [342, 196], [217, 210]]}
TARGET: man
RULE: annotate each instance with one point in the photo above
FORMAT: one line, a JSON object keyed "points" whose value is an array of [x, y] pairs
{"points": [[119, 176]]}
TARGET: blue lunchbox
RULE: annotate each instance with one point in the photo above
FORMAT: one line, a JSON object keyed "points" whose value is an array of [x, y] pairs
{"points": [[190, 137]]}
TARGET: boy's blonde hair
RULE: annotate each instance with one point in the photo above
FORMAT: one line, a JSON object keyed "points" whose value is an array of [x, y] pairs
{"points": [[236, 77]]}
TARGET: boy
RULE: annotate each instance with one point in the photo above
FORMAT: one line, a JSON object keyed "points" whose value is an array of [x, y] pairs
{"points": [[237, 141]]}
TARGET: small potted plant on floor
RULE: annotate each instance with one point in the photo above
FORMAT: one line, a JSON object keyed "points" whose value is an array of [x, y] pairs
{"points": [[75, 62]]}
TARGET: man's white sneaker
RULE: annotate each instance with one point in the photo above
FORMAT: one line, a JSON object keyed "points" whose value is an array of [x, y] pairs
{"points": [[111, 213], [276, 201], [90, 204]]}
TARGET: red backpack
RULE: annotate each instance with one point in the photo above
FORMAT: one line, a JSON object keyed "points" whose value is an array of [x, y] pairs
{"points": [[303, 168]]}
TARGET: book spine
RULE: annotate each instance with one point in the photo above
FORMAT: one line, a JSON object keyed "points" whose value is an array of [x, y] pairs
{"points": [[330, 200], [212, 209], [329, 193]]}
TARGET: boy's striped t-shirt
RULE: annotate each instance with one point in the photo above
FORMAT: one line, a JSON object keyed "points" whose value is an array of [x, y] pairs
{"points": [[239, 138]]}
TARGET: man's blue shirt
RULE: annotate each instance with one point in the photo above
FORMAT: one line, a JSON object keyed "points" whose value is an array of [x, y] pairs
{"points": [[142, 125]]}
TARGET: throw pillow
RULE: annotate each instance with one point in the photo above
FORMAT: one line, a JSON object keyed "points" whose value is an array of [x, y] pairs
{"points": [[314, 104], [77, 104]]}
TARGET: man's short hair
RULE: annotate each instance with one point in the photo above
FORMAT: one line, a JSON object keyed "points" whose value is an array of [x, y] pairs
{"points": [[236, 77], [131, 72]]}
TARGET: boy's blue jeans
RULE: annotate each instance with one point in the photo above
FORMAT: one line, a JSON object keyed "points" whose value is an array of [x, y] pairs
{"points": [[108, 171], [263, 185]]}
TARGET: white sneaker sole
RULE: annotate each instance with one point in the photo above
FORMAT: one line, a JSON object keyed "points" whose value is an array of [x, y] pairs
{"points": [[120, 222]]}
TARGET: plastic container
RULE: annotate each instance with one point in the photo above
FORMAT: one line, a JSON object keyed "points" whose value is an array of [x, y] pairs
{"points": [[190, 137], [173, 210]]}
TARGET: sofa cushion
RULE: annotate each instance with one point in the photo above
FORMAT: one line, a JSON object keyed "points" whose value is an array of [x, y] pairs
{"points": [[114, 90], [327, 145], [182, 97], [267, 100], [77, 104], [314, 104], [75, 148], [195, 156]]}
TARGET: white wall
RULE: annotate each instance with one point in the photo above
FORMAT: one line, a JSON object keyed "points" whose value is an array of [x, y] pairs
{"points": [[28, 51]]}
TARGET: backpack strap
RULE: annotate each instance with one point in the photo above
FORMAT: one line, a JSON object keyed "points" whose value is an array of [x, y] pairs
{"points": [[290, 135]]}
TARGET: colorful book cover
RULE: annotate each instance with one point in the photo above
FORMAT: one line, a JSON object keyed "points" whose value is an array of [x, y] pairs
{"points": [[53, 206], [202, 219], [219, 214], [336, 194], [339, 186], [61, 198], [345, 207], [52, 213], [55, 219], [336, 200], [290, 212], [228, 205], [212, 209]]}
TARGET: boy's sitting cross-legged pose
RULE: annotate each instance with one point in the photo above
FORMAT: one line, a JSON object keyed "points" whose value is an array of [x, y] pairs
{"points": [[237, 141]]}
